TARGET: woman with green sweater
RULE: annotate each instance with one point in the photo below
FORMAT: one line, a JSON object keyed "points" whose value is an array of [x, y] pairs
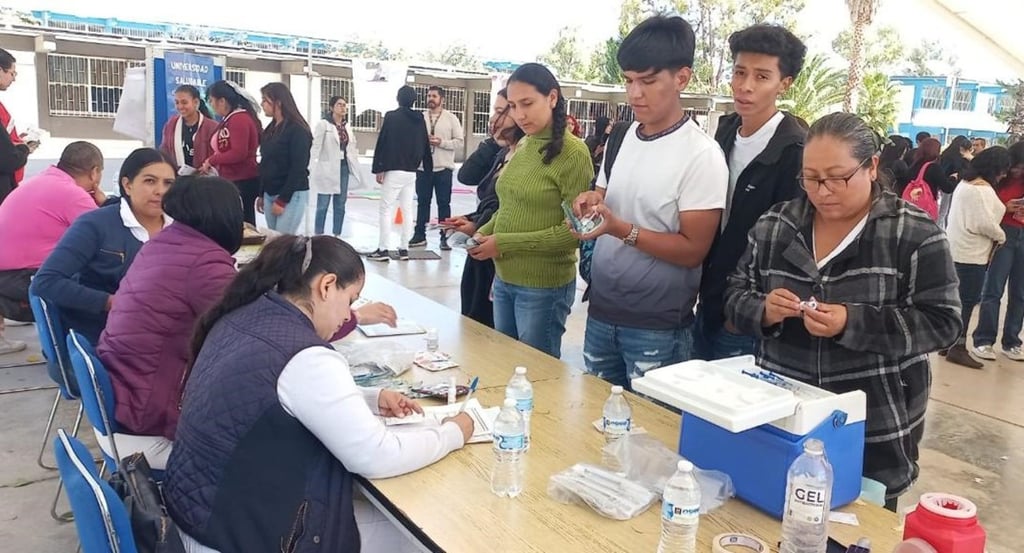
{"points": [[533, 251]]}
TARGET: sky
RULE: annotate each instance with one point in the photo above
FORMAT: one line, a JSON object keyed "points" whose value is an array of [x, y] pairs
{"points": [[515, 31]]}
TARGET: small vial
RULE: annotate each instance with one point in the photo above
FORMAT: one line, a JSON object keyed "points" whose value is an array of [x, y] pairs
{"points": [[453, 391], [432, 342]]}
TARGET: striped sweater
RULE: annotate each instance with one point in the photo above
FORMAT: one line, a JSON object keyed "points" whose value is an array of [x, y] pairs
{"points": [[535, 247]]}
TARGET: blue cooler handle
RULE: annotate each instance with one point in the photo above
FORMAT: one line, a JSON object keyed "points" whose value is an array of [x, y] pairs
{"points": [[831, 423]]}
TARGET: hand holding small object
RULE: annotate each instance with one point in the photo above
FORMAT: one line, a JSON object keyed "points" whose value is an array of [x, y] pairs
{"points": [[393, 404], [827, 320]]}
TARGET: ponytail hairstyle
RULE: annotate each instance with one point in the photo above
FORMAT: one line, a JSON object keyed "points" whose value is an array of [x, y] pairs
{"points": [[287, 265], [279, 94], [194, 93], [228, 91], [329, 114], [541, 78]]}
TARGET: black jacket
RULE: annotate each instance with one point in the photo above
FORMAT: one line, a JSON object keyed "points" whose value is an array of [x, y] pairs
{"points": [[402, 144], [12, 157], [481, 170], [770, 178], [284, 165]]}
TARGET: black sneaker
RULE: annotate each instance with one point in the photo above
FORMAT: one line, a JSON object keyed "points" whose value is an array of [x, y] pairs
{"points": [[444, 243], [379, 255], [418, 242], [403, 255]]}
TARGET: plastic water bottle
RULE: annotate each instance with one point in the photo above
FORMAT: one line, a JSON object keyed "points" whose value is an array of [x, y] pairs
{"points": [[680, 511], [617, 422], [808, 500], [509, 447], [520, 389]]}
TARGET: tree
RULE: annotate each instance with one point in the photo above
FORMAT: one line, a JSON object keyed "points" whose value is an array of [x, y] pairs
{"points": [[815, 91], [930, 58], [455, 55], [565, 57], [713, 21], [877, 104], [1013, 114], [604, 62], [862, 12], [883, 51]]}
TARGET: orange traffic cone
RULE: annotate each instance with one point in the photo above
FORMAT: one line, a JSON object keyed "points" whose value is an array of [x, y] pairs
{"points": [[398, 216]]}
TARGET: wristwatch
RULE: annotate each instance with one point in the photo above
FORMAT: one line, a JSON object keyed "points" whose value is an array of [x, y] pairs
{"points": [[634, 233]]}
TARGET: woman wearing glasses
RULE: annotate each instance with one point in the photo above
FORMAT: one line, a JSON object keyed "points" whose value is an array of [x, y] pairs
{"points": [[850, 288]]}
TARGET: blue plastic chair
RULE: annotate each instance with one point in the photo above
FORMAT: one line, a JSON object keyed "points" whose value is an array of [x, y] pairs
{"points": [[100, 516], [97, 394], [58, 366]]}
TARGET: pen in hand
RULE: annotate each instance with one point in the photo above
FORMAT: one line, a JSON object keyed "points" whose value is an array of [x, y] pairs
{"points": [[472, 388]]}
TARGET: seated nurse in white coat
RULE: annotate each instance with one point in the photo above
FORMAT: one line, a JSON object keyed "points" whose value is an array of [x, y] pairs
{"points": [[273, 428], [334, 164]]}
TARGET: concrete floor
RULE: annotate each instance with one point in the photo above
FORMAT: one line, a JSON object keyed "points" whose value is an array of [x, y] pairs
{"points": [[974, 440]]}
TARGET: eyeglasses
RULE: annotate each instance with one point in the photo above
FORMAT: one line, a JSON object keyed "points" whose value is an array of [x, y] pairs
{"points": [[832, 184]]}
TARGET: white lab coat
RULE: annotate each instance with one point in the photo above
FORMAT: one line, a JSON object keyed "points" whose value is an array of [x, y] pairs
{"points": [[325, 159]]}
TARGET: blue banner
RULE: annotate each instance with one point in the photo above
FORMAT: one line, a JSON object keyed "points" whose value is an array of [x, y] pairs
{"points": [[182, 69]]}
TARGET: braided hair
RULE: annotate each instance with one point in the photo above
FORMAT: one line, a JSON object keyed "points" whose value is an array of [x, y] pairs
{"points": [[541, 78]]}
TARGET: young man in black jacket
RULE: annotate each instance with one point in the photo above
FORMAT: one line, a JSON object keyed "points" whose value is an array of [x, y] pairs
{"points": [[402, 146], [764, 149]]}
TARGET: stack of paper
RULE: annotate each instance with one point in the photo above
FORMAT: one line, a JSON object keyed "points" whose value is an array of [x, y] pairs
{"points": [[403, 327], [483, 419]]}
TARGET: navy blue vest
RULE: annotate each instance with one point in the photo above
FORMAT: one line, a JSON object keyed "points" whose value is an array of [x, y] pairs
{"points": [[244, 475]]}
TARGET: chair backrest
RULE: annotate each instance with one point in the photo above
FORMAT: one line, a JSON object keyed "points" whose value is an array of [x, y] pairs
{"points": [[97, 390], [100, 516], [52, 339]]}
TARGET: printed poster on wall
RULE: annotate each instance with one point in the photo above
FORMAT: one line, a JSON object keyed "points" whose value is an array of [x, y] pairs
{"points": [[377, 83], [182, 69]]}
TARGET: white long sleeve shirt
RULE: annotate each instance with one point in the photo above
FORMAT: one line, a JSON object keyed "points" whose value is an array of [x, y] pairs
{"points": [[973, 226]]}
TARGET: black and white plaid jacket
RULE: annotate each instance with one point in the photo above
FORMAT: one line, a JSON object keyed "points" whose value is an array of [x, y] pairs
{"points": [[900, 290]]}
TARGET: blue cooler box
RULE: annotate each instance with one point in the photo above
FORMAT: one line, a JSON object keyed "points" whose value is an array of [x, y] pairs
{"points": [[752, 424]]}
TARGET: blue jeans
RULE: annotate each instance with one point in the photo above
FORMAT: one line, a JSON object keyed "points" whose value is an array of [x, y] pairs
{"points": [[289, 221], [534, 316], [1007, 265], [720, 344], [426, 185], [972, 281], [618, 354], [338, 201]]}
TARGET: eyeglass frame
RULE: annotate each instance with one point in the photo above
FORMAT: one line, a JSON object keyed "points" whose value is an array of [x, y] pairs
{"points": [[802, 180]]}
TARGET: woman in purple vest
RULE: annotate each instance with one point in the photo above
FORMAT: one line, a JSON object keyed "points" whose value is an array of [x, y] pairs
{"points": [[273, 427]]}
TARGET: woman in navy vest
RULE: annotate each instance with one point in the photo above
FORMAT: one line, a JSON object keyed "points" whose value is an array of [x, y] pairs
{"points": [[273, 427]]}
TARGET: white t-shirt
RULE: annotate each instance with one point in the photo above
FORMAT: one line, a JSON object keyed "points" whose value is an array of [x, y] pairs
{"points": [[652, 182], [744, 150]]}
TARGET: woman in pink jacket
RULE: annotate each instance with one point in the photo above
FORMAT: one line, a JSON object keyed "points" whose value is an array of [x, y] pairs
{"points": [[235, 142], [188, 136]]}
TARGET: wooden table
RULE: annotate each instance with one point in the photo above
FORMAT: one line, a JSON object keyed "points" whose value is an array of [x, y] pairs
{"points": [[449, 506]]}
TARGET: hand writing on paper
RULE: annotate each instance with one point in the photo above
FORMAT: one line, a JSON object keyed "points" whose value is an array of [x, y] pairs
{"points": [[393, 404], [376, 313], [780, 304], [827, 321], [465, 423]]}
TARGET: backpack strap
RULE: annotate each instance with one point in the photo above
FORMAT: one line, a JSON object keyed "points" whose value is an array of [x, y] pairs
{"points": [[611, 149]]}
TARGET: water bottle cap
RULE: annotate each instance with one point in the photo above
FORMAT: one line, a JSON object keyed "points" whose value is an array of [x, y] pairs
{"points": [[616, 389], [509, 402], [814, 447], [431, 333], [684, 466], [520, 370]]}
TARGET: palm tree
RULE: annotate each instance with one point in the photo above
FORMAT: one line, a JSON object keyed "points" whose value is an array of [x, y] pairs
{"points": [[861, 14], [877, 105], [815, 91]]}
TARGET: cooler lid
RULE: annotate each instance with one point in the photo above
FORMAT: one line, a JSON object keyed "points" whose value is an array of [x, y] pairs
{"points": [[727, 398]]}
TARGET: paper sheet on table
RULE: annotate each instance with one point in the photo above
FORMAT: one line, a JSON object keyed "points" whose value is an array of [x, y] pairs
{"points": [[402, 327], [483, 419]]}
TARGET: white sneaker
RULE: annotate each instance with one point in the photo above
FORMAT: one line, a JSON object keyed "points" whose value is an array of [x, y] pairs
{"points": [[11, 346], [1015, 353], [9, 322], [984, 352]]}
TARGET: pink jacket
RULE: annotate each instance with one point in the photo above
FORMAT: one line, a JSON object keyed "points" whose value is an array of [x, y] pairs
{"points": [[202, 141]]}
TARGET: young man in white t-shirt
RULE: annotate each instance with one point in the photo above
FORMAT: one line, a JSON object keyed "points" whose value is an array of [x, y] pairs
{"points": [[764, 148], [661, 204]]}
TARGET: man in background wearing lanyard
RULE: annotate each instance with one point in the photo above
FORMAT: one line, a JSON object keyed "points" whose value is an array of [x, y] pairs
{"points": [[13, 151], [446, 136]]}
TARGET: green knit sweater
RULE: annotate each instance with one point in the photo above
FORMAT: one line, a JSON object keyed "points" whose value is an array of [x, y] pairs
{"points": [[535, 247]]}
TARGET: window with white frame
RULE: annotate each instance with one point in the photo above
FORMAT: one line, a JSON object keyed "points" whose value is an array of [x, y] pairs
{"points": [[481, 112], [235, 75], [586, 113], [336, 86], [85, 86], [933, 97], [454, 99], [1000, 104], [963, 99]]}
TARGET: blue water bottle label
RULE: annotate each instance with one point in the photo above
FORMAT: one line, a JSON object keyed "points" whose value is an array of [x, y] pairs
{"points": [[678, 513], [524, 405], [511, 443]]}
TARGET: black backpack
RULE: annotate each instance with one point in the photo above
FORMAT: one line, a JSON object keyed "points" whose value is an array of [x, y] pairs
{"points": [[152, 528]]}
